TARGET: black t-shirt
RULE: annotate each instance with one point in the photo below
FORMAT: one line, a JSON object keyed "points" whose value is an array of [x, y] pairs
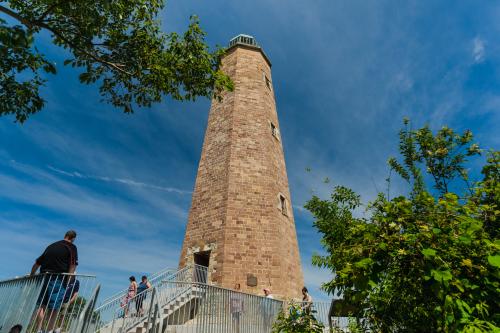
{"points": [[57, 257]]}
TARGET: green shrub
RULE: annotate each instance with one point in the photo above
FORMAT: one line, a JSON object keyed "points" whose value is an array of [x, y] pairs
{"points": [[427, 261]]}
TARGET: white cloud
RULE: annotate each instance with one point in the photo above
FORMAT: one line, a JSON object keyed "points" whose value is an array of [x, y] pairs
{"points": [[47, 191], [300, 208], [478, 50], [125, 181], [111, 256]]}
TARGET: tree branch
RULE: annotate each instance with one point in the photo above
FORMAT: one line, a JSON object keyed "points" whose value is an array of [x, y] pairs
{"points": [[31, 24], [47, 11], [18, 17]]}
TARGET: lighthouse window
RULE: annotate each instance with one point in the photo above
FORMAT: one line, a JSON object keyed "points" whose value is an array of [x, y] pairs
{"points": [[275, 131], [283, 207], [268, 82]]}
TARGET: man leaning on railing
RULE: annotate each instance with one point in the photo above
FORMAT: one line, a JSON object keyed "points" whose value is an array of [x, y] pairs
{"points": [[58, 258]]}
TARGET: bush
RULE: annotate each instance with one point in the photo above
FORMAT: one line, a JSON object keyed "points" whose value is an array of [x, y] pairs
{"points": [[297, 321], [423, 262]]}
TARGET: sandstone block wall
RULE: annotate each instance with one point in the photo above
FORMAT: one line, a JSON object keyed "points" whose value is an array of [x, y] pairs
{"points": [[242, 186]]}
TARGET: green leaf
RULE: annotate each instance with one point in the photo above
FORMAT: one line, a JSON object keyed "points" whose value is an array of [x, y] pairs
{"points": [[466, 239], [428, 252], [441, 276], [364, 263], [382, 246], [50, 68], [494, 260]]}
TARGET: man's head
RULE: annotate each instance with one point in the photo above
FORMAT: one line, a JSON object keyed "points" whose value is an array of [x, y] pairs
{"points": [[144, 278], [237, 286], [70, 236], [16, 329], [267, 291]]}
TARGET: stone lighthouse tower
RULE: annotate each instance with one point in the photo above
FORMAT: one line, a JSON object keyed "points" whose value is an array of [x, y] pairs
{"points": [[241, 222]]}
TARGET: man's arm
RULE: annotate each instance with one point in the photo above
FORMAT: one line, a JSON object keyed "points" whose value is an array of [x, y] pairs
{"points": [[34, 268], [38, 262], [73, 259], [73, 298]]}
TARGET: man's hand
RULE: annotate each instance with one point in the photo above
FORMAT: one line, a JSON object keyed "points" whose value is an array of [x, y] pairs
{"points": [[34, 269]]}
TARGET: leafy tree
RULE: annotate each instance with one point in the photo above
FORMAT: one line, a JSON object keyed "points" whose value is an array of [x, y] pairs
{"points": [[70, 312], [75, 308], [425, 262], [296, 321], [115, 43]]}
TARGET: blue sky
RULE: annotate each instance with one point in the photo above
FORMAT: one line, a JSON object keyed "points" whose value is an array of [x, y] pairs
{"points": [[345, 73]]}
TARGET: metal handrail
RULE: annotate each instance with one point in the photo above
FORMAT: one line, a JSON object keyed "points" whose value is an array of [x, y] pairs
{"points": [[320, 310], [153, 279], [118, 308], [45, 301], [206, 308], [84, 320], [28, 276]]}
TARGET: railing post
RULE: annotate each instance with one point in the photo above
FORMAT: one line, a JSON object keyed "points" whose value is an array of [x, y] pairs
{"points": [[155, 317], [153, 294], [88, 313]]}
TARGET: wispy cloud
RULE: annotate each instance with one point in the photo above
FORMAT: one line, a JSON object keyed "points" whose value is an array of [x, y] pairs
{"points": [[112, 256], [300, 208], [129, 182], [40, 188], [478, 50], [341, 96]]}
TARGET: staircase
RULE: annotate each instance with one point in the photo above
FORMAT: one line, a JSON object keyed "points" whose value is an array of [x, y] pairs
{"points": [[113, 316], [179, 303]]}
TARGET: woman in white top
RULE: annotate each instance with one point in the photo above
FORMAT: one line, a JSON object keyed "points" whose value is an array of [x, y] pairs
{"points": [[307, 301]]}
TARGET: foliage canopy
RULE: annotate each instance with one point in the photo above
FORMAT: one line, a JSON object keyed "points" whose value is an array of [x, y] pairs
{"points": [[115, 43], [425, 262]]}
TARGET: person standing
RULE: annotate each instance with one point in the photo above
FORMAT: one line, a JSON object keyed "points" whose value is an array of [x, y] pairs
{"points": [[141, 288], [131, 292], [267, 309], [236, 306], [58, 258], [267, 293], [307, 301]]}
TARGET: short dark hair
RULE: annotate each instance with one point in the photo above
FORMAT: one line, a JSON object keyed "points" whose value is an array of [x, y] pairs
{"points": [[132, 278], [70, 234], [144, 277], [16, 329], [305, 290]]}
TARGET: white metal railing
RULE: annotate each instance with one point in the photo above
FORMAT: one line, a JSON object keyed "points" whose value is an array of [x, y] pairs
{"points": [[321, 311], [135, 312], [47, 302], [178, 301], [121, 314], [199, 307], [153, 279]]}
